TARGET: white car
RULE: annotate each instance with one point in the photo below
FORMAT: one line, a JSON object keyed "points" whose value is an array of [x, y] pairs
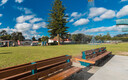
{"points": [[34, 44]]}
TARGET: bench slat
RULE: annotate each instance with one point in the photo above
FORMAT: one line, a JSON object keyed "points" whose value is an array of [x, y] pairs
{"points": [[65, 74], [100, 56]]}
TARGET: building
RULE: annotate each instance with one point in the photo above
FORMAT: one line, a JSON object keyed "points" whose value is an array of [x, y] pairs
{"points": [[62, 41], [6, 43], [25, 42]]}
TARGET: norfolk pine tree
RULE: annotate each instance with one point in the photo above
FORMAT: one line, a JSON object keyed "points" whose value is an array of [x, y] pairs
{"points": [[57, 21]]}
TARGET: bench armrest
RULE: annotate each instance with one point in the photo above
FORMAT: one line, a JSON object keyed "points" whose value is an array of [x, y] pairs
{"points": [[82, 60]]}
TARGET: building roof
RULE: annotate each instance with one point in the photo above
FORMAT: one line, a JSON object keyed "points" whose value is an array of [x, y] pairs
{"points": [[56, 39]]}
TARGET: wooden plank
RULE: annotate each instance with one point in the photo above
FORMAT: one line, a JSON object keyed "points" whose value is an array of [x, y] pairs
{"points": [[44, 64], [11, 72], [100, 56], [65, 74], [87, 61], [89, 52], [46, 72], [18, 76]]}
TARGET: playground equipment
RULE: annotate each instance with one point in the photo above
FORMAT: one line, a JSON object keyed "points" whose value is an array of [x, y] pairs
{"points": [[94, 41], [122, 24]]}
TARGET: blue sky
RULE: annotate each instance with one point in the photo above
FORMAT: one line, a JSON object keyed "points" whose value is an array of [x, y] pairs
{"points": [[30, 16]]}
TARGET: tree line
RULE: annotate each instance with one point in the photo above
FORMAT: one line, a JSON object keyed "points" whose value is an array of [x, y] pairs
{"points": [[123, 37], [13, 36], [82, 38], [18, 36]]}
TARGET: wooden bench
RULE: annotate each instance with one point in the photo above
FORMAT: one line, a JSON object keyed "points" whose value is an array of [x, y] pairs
{"points": [[92, 56], [57, 68]]}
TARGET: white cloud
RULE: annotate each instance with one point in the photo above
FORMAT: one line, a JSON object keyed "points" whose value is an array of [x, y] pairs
{"points": [[96, 11], [0, 23], [81, 21], [29, 23], [101, 29], [35, 20], [9, 30], [1, 15], [39, 25], [24, 18], [97, 19], [28, 34], [107, 15], [72, 20], [123, 0], [3, 2], [22, 27], [19, 1], [77, 15], [123, 12], [25, 10]]}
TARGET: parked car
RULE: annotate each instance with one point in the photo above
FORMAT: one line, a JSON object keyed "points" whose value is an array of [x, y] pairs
{"points": [[34, 44]]}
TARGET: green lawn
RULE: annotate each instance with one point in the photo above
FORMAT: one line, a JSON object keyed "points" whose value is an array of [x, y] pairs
{"points": [[10, 56]]}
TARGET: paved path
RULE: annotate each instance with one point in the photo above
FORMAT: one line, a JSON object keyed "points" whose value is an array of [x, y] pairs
{"points": [[115, 69]]}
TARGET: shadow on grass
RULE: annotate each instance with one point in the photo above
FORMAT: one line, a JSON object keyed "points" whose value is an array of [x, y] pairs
{"points": [[6, 53]]}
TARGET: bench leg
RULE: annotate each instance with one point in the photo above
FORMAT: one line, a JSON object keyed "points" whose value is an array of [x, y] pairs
{"points": [[84, 64], [35, 70]]}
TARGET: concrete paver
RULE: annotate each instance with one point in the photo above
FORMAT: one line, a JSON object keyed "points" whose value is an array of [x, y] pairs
{"points": [[115, 69]]}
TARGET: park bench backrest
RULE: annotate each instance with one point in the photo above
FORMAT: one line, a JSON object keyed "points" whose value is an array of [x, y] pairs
{"points": [[35, 70], [97, 51], [87, 53], [93, 53], [103, 49]]}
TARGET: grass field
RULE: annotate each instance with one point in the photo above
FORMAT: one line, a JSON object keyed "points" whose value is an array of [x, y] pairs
{"points": [[10, 56]]}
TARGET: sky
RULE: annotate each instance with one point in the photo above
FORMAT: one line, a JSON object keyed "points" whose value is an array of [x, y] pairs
{"points": [[30, 16]]}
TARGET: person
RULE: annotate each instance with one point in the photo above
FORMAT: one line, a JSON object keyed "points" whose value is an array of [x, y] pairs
{"points": [[13, 44]]}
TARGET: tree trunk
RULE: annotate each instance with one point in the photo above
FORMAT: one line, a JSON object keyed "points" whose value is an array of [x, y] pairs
{"points": [[58, 37]]}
